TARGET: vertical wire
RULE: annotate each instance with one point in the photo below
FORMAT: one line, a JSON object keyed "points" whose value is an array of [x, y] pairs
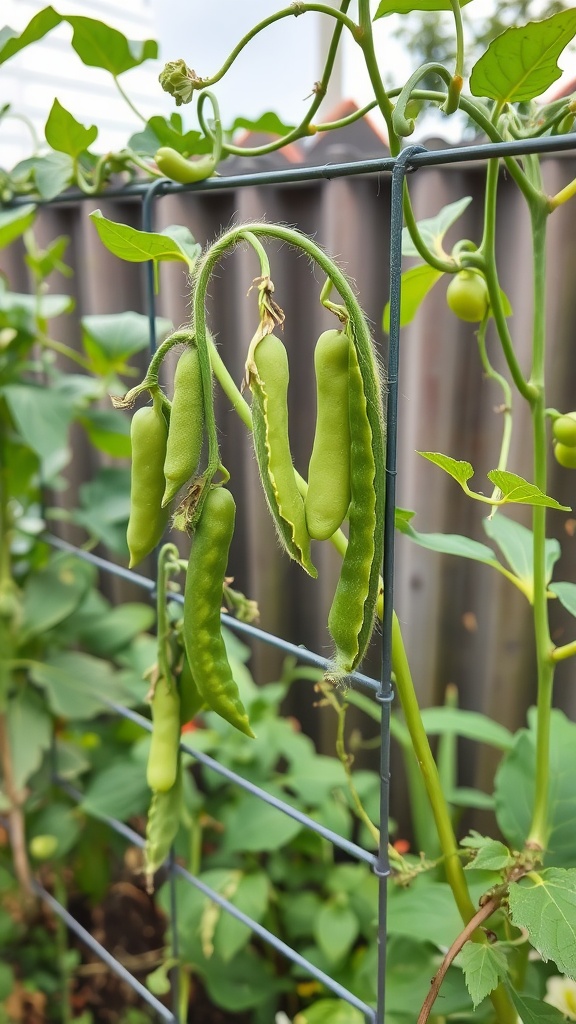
{"points": [[385, 695], [147, 225]]}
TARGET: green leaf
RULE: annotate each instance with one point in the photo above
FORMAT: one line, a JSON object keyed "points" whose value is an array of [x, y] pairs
{"points": [[109, 339], [161, 131], [516, 543], [137, 246], [515, 786], [53, 174], [433, 229], [247, 981], [330, 1011], [314, 780], [14, 223], [336, 930], [43, 420], [402, 516], [449, 544], [516, 489], [465, 796], [105, 507], [43, 261], [566, 594], [492, 856], [253, 825], [51, 594], [416, 283], [30, 733], [27, 307], [65, 134], [109, 431], [251, 896], [185, 239], [268, 122], [469, 724], [75, 682], [521, 63], [119, 791], [460, 471], [105, 635], [424, 911], [484, 967], [101, 46], [533, 1011], [544, 903], [387, 7], [42, 23]]}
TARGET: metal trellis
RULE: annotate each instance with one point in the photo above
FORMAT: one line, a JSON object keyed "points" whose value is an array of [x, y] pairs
{"points": [[411, 159]]}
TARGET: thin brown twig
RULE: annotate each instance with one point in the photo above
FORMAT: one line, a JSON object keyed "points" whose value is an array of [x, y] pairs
{"points": [[482, 915], [15, 815]]}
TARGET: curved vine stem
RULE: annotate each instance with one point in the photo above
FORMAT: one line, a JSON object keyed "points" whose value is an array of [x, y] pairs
{"points": [[404, 126], [294, 11], [216, 133], [305, 127]]}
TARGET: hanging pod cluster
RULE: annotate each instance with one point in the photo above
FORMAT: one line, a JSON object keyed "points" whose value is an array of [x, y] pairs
{"points": [[165, 458], [345, 476], [346, 482]]}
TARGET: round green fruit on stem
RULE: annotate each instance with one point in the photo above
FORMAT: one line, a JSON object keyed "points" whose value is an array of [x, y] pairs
{"points": [[43, 847], [565, 456], [564, 430], [467, 296]]}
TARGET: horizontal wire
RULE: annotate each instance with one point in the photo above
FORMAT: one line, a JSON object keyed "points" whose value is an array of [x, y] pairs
{"points": [[358, 852], [244, 628], [103, 954], [258, 929], [433, 157]]}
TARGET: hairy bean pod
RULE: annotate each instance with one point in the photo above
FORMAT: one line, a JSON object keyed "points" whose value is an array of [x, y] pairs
{"points": [[352, 615], [328, 494], [186, 424], [162, 765], [178, 168], [148, 519], [269, 385], [202, 630], [162, 827]]}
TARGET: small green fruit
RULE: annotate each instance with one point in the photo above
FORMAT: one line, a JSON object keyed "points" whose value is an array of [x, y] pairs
{"points": [[565, 456], [564, 429], [44, 846], [467, 296]]}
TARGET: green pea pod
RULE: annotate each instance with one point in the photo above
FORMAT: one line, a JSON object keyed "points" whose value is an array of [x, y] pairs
{"points": [[191, 700], [163, 757], [202, 630], [162, 827], [178, 168], [352, 615], [148, 520], [186, 424], [328, 494], [269, 386]]}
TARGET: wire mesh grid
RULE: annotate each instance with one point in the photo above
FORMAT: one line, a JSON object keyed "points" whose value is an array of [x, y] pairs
{"points": [[411, 159]]}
